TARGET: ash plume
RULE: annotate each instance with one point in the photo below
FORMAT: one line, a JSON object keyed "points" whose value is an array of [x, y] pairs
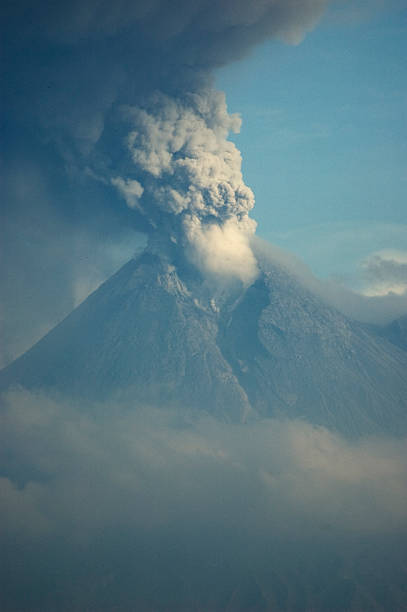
{"points": [[154, 59], [189, 183], [69, 70]]}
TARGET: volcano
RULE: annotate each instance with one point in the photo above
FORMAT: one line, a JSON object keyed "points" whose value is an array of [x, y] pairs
{"points": [[156, 334]]}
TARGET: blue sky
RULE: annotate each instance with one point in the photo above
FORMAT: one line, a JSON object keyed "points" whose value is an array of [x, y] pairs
{"points": [[324, 137]]}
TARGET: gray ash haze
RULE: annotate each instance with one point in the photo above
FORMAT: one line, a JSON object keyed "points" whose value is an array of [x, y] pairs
{"points": [[116, 142]]}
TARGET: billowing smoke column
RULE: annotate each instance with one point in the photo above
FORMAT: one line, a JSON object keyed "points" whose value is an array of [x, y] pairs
{"points": [[190, 185], [149, 63]]}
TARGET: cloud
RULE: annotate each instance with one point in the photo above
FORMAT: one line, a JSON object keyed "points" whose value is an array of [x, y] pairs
{"points": [[162, 21], [102, 53], [189, 165], [114, 486], [50, 446], [222, 252], [130, 189], [189, 183], [385, 273]]}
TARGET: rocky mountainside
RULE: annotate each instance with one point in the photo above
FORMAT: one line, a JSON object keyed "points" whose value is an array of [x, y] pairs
{"points": [[154, 334], [396, 332]]}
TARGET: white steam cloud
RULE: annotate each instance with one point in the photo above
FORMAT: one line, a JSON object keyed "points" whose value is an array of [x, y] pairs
{"points": [[222, 251]]}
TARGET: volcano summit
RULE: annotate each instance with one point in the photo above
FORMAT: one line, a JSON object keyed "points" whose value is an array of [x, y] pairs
{"points": [[157, 334]]}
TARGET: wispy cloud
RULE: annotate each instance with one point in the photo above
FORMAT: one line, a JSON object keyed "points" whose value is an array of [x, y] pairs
{"points": [[385, 272]]}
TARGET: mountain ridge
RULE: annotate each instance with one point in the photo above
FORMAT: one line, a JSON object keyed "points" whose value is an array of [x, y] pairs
{"points": [[155, 333]]}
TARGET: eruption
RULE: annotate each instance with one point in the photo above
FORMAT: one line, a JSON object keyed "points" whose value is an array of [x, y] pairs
{"points": [[189, 184], [142, 70], [114, 129]]}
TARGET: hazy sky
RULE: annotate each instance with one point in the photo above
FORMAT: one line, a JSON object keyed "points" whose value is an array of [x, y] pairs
{"points": [[324, 136]]}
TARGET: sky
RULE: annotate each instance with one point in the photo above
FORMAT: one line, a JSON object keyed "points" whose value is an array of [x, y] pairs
{"points": [[324, 137]]}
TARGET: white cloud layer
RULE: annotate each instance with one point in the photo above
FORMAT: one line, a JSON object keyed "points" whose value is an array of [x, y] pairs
{"points": [[138, 466], [132, 507], [124, 502]]}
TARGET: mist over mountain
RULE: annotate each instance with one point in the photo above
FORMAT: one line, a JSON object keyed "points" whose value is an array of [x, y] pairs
{"points": [[117, 506]]}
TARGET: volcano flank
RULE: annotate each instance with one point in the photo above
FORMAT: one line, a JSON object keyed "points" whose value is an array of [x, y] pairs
{"points": [[156, 334]]}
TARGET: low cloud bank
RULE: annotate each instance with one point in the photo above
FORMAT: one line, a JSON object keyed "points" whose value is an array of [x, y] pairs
{"points": [[127, 508]]}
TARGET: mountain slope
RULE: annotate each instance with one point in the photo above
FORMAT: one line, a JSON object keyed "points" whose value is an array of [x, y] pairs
{"points": [[396, 332], [309, 361], [153, 334], [141, 335]]}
